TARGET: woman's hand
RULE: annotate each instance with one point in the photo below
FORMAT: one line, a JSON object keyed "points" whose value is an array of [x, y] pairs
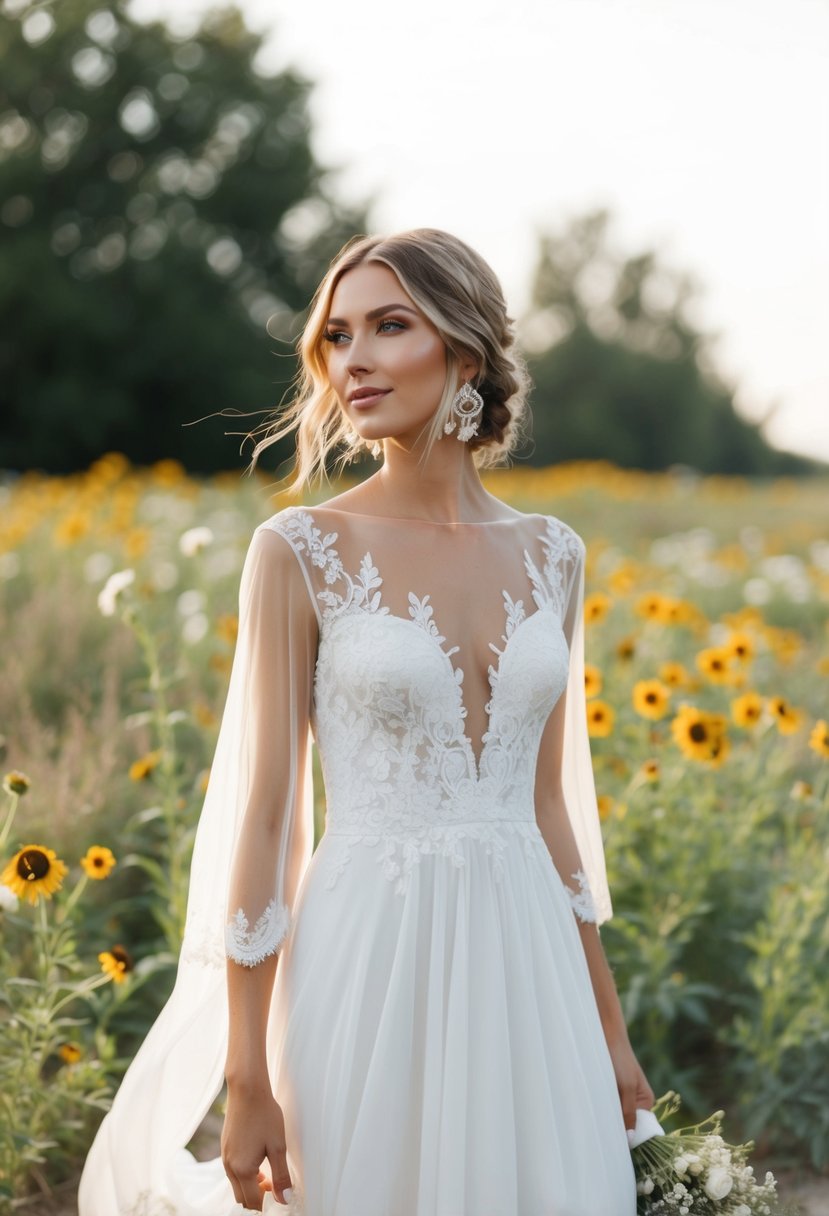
{"points": [[254, 1129], [634, 1091]]}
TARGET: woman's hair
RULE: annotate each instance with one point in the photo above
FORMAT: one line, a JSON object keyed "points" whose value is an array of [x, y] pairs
{"points": [[458, 292]]}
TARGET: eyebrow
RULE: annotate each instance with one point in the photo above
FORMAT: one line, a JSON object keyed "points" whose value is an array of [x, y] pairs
{"points": [[375, 313]]}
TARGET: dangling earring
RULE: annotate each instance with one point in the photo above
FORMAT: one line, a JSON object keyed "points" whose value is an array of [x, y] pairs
{"points": [[376, 449], [467, 405]]}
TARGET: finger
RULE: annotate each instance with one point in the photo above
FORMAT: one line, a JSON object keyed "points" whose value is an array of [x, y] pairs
{"points": [[629, 1107], [280, 1177]]}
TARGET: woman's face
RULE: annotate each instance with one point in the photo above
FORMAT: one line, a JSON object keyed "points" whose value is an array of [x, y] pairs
{"points": [[376, 338]]}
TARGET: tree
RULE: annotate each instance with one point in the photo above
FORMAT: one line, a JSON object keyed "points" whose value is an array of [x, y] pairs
{"points": [[162, 221], [620, 371]]}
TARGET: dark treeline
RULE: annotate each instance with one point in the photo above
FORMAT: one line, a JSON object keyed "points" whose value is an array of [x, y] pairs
{"points": [[163, 224]]}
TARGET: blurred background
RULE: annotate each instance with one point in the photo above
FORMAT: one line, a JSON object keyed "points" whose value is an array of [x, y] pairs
{"points": [[650, 180]]}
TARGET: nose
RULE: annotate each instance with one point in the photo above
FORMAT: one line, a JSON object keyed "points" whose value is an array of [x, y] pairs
{"points": [[358, 360]]}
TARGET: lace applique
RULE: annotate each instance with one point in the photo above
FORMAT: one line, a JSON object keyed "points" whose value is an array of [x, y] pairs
{"points": [[250, 946], [399, 854], [204, 949], [581, 901]]}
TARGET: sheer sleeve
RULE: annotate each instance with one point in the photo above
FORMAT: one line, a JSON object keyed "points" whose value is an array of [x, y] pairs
{"points": [[276, 650], [565, 760], [252, 848]]}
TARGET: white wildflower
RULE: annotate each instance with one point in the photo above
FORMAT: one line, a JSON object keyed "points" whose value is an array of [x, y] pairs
{"points": [[8, 899], [115, 584], [718, 1183], [742, 1209], [681, 1165], [190, 602], [194, 540], [195, 628]]}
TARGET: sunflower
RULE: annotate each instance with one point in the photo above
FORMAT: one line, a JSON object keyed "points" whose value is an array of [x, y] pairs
{"points": [[605, 804], [592, 680], [747, 709], [819, 738], [650, 698], [33, 872], [714, 664], [599, 719], [700, 735], [16, 783], [626, 649], [596, 607], [740, 645], [675, 675], [788, 718], [650, 770], [98, 862], [70, 1053], [141, 769], [652, 606], [116, 963], [227, 627]]}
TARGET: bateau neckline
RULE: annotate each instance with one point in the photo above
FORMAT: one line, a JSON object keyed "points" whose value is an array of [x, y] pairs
{"points": [[432, 523]]}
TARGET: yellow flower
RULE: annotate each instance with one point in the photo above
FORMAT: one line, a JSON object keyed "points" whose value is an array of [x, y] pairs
{"points": [[98, 862], [605, 805], [626, 649], [747, 709], [650, 698], [33, 872], [819, 738], [70, 1053], [788, 718], [204, 715], [592, 680], [600, 718], [700, 735], [652, 606], [596, 607], [227, 627], [650, 770], [740, 646], [714, 663], [675, 675], [116, 963], [141, 769], [16, 782]]}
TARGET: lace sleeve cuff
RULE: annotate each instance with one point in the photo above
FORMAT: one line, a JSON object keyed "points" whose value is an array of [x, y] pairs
{"points": [[251, 946], [582, 900]]}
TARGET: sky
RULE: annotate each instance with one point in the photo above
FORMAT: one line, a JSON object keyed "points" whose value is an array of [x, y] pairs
{"points": [[702, 125]]}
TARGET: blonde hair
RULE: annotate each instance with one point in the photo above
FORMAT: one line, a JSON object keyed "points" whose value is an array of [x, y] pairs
{"points": [[459, 293]]}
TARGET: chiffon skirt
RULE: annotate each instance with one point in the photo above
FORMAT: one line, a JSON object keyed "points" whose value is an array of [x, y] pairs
{"points": [[439, 1052]]}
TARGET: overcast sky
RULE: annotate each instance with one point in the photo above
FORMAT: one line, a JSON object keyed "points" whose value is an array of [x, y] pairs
{"points": [[702, 124]]}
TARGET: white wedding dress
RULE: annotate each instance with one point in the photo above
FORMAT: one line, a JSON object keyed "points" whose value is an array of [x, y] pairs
{"points": [[434, 1039]]}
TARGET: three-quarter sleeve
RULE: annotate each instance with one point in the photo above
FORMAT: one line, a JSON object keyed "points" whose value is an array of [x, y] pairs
{"points": [[276, 650], [590, 895]]}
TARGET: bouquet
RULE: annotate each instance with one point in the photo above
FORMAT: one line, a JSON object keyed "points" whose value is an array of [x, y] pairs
{"points": [[692, 1171]]}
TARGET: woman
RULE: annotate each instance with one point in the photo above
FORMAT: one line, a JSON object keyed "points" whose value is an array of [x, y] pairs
{"points": [[418, 1019]]}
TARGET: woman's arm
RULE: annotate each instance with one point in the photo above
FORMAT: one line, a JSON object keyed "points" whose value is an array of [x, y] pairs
{"points": [[278, 632]]}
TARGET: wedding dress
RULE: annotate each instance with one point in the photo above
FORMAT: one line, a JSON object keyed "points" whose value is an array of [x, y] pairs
{"points": [[434, 1039]]}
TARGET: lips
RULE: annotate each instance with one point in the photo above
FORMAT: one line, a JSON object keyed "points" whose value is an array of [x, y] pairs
{"points": [[362, 398]]}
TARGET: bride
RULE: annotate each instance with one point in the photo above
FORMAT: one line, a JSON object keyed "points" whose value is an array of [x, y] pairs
{"points": [[416, 1018]]}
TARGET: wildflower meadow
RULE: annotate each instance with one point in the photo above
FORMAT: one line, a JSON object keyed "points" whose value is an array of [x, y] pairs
{"points": [[707, 669]]}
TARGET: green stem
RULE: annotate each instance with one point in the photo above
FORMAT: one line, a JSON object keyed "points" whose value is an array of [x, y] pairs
{"points": [[7, 826]]}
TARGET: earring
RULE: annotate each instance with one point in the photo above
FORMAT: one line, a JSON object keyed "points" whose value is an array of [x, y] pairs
{"points": [[376, 449], [467, 405]]}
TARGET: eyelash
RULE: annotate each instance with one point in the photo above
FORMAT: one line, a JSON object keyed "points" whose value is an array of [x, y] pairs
{"points": [[328, 336]]}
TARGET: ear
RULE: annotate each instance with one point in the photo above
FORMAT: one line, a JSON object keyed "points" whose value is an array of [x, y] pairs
{"points": [[468, 367]]}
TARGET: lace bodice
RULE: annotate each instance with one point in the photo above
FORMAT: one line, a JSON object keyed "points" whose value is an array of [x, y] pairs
{"points": [[426, 660]]}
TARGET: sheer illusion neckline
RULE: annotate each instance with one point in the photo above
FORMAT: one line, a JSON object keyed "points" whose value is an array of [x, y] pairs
{"points": [[409, 519]]}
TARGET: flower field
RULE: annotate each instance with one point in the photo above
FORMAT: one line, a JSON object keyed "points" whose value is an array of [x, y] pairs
{"points": [[707, 683]]}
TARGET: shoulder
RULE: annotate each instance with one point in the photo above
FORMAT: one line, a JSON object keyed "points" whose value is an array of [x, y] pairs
{"points": [[561, 540]]}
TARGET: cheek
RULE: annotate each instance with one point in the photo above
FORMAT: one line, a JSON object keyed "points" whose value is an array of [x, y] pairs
{"points": [[425, 356]]}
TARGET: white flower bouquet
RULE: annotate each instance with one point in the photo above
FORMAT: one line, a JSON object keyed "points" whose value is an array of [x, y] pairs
{"points": [[692, 1171]]}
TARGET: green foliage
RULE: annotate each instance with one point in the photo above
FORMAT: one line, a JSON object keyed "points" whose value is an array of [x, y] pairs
{"points": [[161, 206], [621, 372]]}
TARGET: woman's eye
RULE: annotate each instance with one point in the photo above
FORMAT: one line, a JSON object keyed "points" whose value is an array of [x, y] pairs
{"points": [[397, 324], [329, 336]]}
